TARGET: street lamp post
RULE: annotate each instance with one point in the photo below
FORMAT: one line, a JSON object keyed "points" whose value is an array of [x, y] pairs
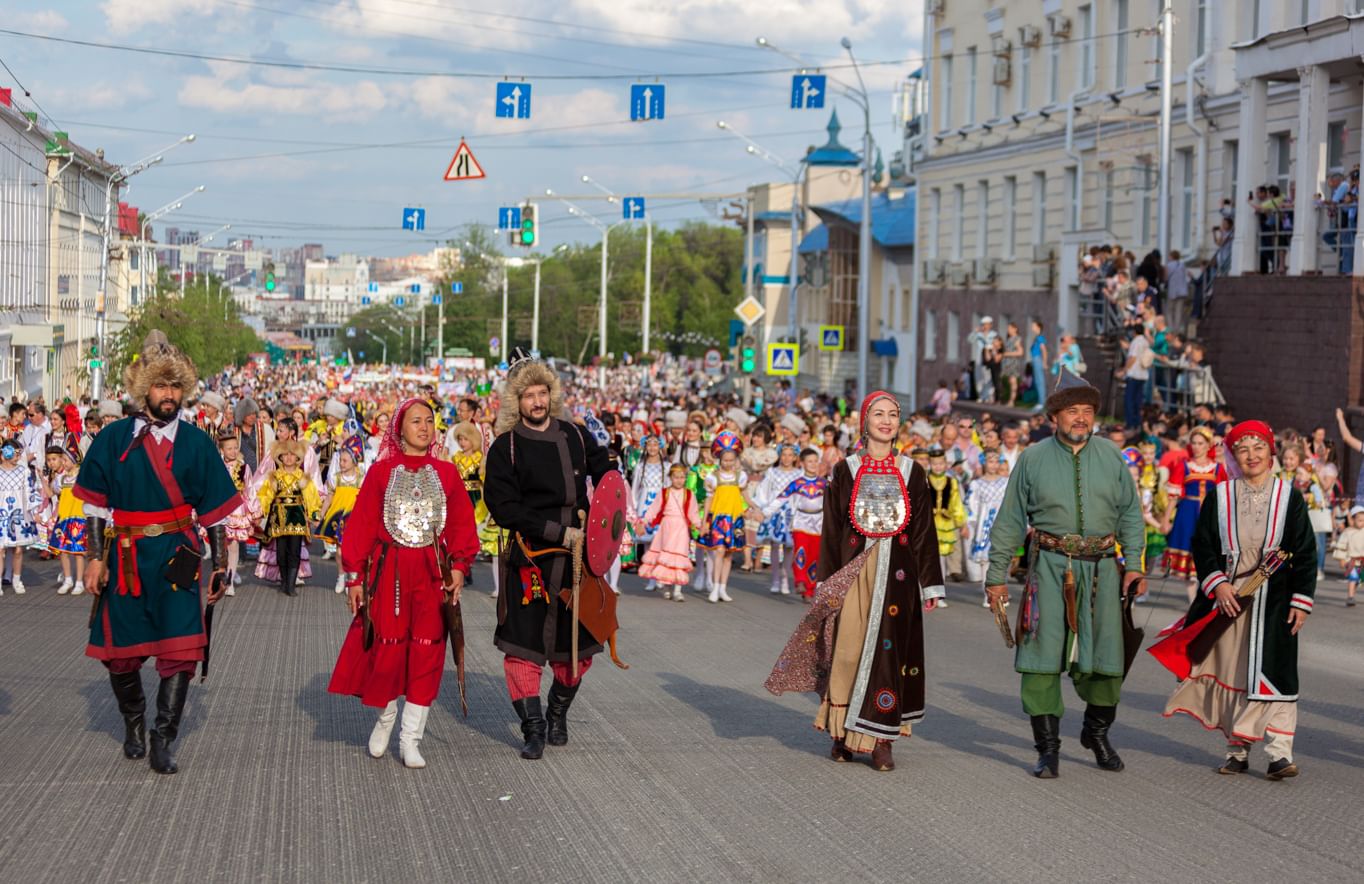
{"points": [[120, 176], [535, 304], [648, 264], [601, 313], [172, 206], [198, 241], [864, 238]]}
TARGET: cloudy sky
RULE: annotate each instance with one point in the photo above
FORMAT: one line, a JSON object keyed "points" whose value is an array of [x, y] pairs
{"points": [[311, 153]]}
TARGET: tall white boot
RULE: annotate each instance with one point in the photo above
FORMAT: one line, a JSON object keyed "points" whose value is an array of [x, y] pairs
{"points": [[383, 729], [414, 725], [714, 592], [720, 590], [340, 582]]}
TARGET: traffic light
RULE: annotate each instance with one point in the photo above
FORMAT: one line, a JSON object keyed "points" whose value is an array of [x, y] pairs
{"points": [[94, 348], [747, 356], [528, 235], [269, 276]]}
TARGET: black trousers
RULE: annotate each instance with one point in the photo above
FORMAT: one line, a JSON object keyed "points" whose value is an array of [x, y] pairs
{"points": [[288, 555]]}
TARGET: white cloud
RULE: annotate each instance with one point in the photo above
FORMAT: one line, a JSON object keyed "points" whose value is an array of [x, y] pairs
{"points": [[46, 21], [728, 21], [101, 96], [317, 99], [129, 15]]}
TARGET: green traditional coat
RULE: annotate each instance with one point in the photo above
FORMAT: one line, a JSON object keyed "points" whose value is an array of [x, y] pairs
{"points": [[1060, 492]]}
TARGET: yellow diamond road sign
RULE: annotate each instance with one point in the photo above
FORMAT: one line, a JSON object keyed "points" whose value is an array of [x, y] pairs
{"points": [[749, 310], [831, 337]]}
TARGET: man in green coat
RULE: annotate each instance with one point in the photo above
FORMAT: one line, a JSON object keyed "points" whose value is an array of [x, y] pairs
{"points": [[1085, 510]]}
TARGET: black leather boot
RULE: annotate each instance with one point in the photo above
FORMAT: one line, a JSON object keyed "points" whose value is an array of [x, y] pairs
{"points": [[532, 727], [1046, 738], [560, 698], [132, 703], [290, 579], [170, 705], [1094, 736]]}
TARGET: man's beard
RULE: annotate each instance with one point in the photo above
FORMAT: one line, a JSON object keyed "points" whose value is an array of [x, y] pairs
{"points": [[165, 409], [1075, 437], [535, 416]]}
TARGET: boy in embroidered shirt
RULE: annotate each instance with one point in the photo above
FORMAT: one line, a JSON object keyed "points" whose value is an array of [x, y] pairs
{"points": [[805, 497], [1349, 551]]}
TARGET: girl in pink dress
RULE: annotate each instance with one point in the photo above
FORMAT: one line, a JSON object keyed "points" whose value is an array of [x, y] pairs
{"points": [[672, 516]]}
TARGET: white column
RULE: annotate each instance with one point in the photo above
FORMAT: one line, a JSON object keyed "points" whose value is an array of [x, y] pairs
{"points": [[1313, 84], [1250, 172], [1359, 232]]}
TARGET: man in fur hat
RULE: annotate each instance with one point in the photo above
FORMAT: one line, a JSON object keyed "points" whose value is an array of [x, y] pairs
{"points": [[535, 485], [1076, 493], [143, 481], [327, 434]]}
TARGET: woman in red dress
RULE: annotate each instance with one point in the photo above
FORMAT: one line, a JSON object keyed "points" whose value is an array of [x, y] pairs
{"points": [[411, 509]]}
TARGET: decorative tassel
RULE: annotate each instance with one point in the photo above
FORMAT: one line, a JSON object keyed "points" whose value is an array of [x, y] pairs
{"points": [[1068, 592]]}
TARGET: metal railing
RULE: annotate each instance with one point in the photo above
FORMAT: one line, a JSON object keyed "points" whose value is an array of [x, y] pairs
{"points": [[1336, 228], [1181, 387]]}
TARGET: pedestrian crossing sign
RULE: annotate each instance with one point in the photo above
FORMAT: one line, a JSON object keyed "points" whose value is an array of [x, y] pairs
{"points": [[783, 359], [831, 337]]}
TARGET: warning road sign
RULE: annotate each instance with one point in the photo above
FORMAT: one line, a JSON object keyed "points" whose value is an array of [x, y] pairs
{"points": [[463, 166], [831, 337], [783, 359]]}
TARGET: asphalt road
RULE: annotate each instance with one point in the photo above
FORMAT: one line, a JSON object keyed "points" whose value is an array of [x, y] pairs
{"points": [[681, 769]]}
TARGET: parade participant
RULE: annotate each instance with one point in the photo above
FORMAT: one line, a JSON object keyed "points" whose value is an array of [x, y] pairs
{"points": [[467, 456], [20, 499], [409, 543], [803, 499], [983, 499], [254, 435], [62, 435], [774, 506], [1247, 685], [861, 644], [238, 523], [326, 434], [1153, 480], [756, 460], [149, 483], [1076, 494], [535, 485], [670, 518], [725, 507], [949, 515], [267, 558], [645, 486], [212, 418], [342, 488], [1189, 484], [289, 502], [1349, 552], [67, 538]]}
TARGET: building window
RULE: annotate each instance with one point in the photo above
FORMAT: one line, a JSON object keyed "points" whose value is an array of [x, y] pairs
{"points": [[971, 68], [1086, 72], [930, 335], [1108, 187], [1053, 70], [1280, 160], [1120, 43], [1144, 184], [1200, 27], [1074, 196], [1186, 196], [958, 219], [997, 90], [1335, 147], [1039, 208], [953, 337], [934, 221], [1024, 78], [1010, 216], [945, 106], [982, 219], [843, 278], [1231, 170]]}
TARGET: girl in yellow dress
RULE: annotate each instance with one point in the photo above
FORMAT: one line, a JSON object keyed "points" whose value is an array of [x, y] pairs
{"points": [[67, 538], [290, 502], [468, 459], [725, 508], [343, 486]]}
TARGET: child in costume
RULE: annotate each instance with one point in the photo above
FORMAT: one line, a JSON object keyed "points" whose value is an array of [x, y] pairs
{"points": [[949, 515], [343, 486], [1153, 481], [775, 530], [468, 459], [290, 502], [1349, 551], [238, 522], [20, 500], [984, 497], [670, 518], [647, 483], [725, 508], [803, 499], [67, 537], [491, 539]]}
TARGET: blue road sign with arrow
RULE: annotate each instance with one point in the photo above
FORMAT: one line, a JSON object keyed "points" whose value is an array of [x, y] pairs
{"points": [[807, 91], [374, 286], [435, 300], [509, 218], [399, 301], [364, 301], [513, 101], [414, 219], [416, 288], [456, 288], [647, 101], [633, 208]]}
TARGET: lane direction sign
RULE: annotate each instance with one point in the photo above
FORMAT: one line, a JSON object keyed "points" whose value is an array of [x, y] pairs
{"points": [[456, 288], [509, 218], [414, 219], [399, 301], [463, 166], [807, 91], [513, 101], [633, 208], [647, 101]]}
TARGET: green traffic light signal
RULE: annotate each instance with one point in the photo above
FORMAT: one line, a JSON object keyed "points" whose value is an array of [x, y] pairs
{"points": [[746, 360], [269, 282], [528, 225]]}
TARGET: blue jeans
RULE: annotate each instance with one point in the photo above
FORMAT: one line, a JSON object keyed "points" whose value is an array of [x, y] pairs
{"points": [[1133, 394]]}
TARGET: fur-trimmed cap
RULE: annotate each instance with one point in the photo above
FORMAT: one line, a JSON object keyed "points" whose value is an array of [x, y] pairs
{"points": [[1071, 389], [159, 362], [335, 408], [287, 446], [214, 401], [526, 372]]}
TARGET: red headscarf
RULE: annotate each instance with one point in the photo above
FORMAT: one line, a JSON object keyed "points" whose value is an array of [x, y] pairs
{"points": [[1259, 429], [392, 446], [871, 399]]}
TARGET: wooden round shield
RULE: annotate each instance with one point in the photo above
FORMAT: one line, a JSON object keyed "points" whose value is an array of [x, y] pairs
{"points": [[606, 523]]}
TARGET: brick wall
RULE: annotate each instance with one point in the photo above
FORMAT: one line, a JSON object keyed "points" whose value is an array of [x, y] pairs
{"points": [[1288, 350]]}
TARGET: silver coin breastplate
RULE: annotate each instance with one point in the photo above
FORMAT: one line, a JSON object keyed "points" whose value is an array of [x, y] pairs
{"points": [[414, 506], [880, 506]]}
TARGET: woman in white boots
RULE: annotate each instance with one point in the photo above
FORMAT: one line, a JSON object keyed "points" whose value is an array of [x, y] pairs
{"points": [[412, 521]]}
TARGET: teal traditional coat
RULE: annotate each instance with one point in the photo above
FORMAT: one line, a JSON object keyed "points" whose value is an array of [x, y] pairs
{"points": [[1061, 492], [149, 617]]}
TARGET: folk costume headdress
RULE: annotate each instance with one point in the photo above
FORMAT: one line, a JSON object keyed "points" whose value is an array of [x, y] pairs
{"points": [[287, 446], [392, 446], [524, 372], [355, 447], [726, 441], [159, 362], [1071, 389]]}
